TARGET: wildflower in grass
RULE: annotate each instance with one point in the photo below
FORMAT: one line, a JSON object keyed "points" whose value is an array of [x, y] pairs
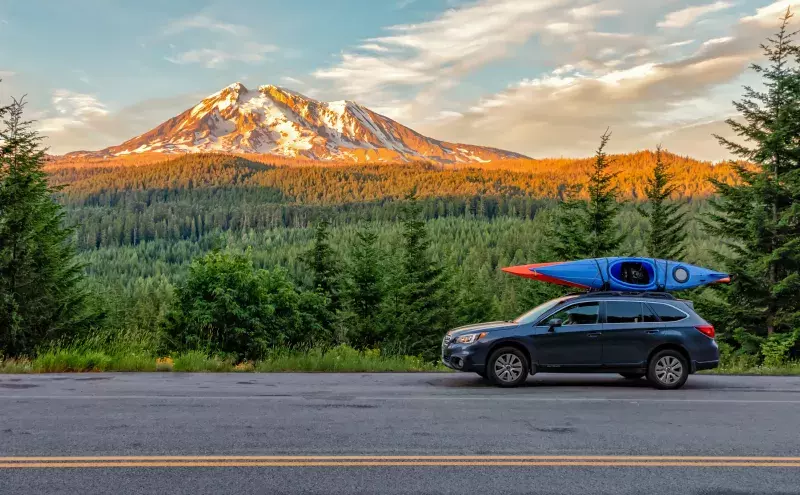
{"points": [[164, 364]]}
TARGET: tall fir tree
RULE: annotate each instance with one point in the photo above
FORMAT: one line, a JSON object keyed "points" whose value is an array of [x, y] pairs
{"points": [[759, 216], [325, 266], [365, 291], [42, 291], [421, 307], [326, 280], [666, 236], [586, 228]]}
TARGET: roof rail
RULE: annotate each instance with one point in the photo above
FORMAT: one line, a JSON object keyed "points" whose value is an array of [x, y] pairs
{"points": [[616, 293]]}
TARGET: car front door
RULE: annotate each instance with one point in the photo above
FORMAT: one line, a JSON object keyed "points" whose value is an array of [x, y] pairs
{"points": [[630, 330], [576, 341]]}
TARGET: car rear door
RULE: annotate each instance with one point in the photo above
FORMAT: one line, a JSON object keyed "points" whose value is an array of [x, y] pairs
{"points": [[630, 331], [576, 342]]}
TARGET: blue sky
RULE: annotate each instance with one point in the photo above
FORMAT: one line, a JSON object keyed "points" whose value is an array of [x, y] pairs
{"points": [[542, 77]]}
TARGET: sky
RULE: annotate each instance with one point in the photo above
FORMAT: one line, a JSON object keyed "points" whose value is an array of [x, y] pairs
{"points": [[540, 77]]}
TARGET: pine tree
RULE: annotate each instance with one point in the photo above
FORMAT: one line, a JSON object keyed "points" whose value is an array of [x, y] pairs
{"points": [[666, 235], [42, 292], [759, 216], [474, 298], [324, 265], [586, 229], [366, 291], [421, 306]]}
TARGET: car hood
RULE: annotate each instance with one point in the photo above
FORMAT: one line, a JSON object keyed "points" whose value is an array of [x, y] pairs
{"points": [[483, 327]]}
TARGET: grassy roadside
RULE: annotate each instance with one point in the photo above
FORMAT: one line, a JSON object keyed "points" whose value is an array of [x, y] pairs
{"points": [[337, 359], [788, 369]]}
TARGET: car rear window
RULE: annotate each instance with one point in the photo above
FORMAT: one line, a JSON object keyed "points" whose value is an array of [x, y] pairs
{"points": [[668, 312]]}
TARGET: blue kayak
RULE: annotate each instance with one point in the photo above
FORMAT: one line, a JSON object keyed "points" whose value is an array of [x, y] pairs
{"points": [[622, 274]]}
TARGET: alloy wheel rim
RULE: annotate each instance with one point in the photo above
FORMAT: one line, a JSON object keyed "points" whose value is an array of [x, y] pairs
{"points": [[669, 370], [508, 367]]}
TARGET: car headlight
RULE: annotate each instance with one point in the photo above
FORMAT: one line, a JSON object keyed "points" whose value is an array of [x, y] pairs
{"points": [[470, 338]]}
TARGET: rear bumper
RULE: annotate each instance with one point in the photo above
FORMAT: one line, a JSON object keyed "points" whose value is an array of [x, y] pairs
{"points": [[704, 365]]}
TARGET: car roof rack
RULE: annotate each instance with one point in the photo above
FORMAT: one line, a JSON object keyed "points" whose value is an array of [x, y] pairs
{"points": [[617, 293]]}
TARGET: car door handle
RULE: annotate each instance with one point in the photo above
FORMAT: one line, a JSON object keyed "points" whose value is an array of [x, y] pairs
{"points": [[593, 335], [653, 331]]}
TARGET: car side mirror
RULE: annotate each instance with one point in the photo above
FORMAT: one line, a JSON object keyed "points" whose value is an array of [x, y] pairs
{"points": [[555, 322]]}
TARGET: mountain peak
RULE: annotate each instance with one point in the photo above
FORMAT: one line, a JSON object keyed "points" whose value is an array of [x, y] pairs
{"points": [[277, 120]]}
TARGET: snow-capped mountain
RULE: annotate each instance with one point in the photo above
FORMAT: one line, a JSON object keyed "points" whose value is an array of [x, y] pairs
{"points": [[278, 121]]}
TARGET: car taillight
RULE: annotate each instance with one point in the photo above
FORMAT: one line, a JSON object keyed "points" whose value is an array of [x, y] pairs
{"points": [[707, 330]]}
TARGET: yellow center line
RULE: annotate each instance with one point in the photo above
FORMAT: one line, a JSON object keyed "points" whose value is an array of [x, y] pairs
{"points": [[399, 458], [170, 464], [404, 460]]}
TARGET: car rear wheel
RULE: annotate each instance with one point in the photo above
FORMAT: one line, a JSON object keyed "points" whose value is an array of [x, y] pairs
{"points": [[508, 367], [668, 370], [632, 376]]}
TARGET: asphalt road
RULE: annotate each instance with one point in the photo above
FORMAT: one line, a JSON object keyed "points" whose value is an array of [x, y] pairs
{"points": [[396, 433]]}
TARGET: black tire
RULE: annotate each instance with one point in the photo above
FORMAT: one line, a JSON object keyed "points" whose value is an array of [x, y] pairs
{"points": [[668, 370], [507, 367], [632, 376]]}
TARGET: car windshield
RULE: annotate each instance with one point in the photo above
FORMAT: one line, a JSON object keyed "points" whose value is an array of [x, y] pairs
{"points": [[538, 311]]}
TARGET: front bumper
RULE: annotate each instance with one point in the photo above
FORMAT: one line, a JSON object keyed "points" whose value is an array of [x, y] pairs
{"points": [[464, 358]]}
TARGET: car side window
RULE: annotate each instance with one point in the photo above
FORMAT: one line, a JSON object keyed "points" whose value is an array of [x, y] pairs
{"points": [[668, 312], [624, 312], [586, 313], [648, 315]]}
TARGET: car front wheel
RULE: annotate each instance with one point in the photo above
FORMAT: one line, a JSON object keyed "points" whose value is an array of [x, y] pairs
{"points": [[668, 370], [508, 367]]}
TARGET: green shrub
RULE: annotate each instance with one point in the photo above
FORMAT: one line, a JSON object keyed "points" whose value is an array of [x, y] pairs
{"points": [[776, 347], [227, 307]]}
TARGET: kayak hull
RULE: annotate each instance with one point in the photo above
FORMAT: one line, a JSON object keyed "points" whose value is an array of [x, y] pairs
{"points": [[628, 274]]}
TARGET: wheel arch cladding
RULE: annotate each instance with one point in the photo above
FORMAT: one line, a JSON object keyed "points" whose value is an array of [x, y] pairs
{"points": [[510, 343]]}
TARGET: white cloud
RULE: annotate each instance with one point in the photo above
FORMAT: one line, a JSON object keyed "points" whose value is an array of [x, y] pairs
{"points": [[446, 47], [563, 27], [772, 12], [88, 124], [80, 105], [717, 41], [687, 16], [644, 98], [292, 80], [680, 43], [616, 36], [200, 21], [562, 115], [374, 47], [72, 108], [446, 114], [213, 58], [593, 11]]}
